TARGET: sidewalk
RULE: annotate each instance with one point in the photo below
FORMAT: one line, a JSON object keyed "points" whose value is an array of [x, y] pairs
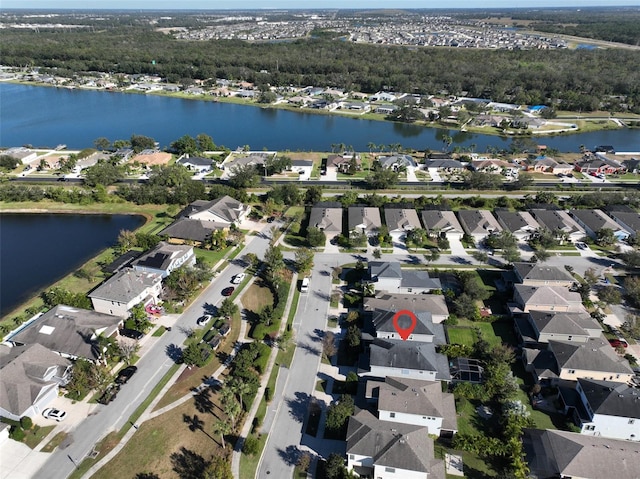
{"points": [[248, 423]]}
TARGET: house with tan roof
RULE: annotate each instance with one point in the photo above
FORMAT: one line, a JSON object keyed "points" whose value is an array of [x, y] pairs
{"points": [[433, 303], [364, 219], [29, 379], [442, 224], [327, 217], [411, 401]]}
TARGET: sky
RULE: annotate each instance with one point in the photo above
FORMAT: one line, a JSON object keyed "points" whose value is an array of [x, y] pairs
{"points": [[307, 4]]}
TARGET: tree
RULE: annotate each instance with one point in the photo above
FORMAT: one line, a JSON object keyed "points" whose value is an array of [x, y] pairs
{"points": [[316, 237], [605, 237], [240, 387], [230, 405], [8, 162], [313, 195], [273, 262], [349, 198], [304, 259], [228, 308], [140, 142], [102, 143], [631, 259], [432, 256], [244, 176], [192, 355], [632, 289], [477, 180], [610, 295], [377, 253], [219, 468], [353, 336], [590, 277], [631, 326], [339, 412], [329, 345], [128, 349], [102, 173], [185, 145], [334, 469], [205, 143], [85, 376], [222, 428], [251, 445], [511, 254], [304, 461], [382, 179], [541, 255]]}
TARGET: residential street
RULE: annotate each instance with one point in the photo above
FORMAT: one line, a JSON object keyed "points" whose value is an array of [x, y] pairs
{"points": [[151, 368]]}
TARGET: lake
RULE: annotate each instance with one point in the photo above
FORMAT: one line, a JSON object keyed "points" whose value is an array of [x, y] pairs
{"points": [[45, 116], [39, 249]]}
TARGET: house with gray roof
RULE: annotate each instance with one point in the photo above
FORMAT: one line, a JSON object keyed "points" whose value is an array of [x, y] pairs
{"points": [[400, 220], [424, 331], [29, 379], [386, 450], [552, 453], [446, 165], [594, 220], [520, 223], [125, 289], [627, 218], [197, 163], [69, 331], [411, 401], [478, 223], [540, 327], [390, 277], [442, 224], [165, 258], [544, 298], [396, 162], [570, 361], [603, 408], [433, 303], [327, 217], [538, 274], [410, 359], [560, 223], [303, 168], [364, 219]]}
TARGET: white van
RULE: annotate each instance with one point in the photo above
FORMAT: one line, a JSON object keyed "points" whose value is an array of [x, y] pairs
{"points": [[305, 285]]}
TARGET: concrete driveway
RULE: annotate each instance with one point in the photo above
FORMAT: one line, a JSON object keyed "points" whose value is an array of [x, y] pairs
{"points": [[19, 461]]}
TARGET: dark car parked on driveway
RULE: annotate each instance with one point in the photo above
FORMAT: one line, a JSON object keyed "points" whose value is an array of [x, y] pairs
{"points": [[125, 374]]}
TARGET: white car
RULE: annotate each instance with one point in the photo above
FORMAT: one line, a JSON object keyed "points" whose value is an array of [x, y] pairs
{"points": [[202, 320], [237, 279], [55, 414]]}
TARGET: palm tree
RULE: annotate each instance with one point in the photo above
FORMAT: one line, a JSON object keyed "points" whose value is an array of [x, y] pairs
{"points": [[222, 428], [239, 388], [371, 147]]}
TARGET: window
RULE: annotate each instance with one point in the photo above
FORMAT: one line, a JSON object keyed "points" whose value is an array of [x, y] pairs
{"points": [[392, 414], [632, 421], [572, 371], [590, 428], [352, 457], [390, 469]]}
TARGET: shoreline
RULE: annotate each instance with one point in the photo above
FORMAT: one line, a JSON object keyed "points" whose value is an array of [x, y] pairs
{"points": [[488, 131]]}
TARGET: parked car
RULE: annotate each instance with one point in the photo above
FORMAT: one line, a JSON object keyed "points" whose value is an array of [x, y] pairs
{"points": [[202, 320], [228, 291], [125, 374], [238, 278], [131, 333], [55, 414], [616, 343], [109, 394], [271, 219]]}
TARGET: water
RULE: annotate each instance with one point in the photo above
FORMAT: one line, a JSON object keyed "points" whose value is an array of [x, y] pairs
{"points": [[39, 249], [43, 116]]}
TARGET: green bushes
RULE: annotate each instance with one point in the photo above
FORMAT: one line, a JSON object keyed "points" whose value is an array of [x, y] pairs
{"points": [[260, 362], [26, 422]]}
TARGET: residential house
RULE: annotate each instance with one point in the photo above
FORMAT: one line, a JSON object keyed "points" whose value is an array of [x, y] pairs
{"points": [[545, 164], [499, 167], [384, 96], [540, 327], [434, 303], [632, 165], [447, 165], [411, 401], [442, 224], [399, 221], [121, 292], [410, 359], [124, 154], [70, 332], [388, 276], [598, 163], [520, 223], [627, 218], [364, 219], [342, 163], [25, 155], [257, 159], [570, 361], [225, 211], [389, 450], [553, 453], [197, 163], [603, 408], [594, 220], [385, 109], [544, 298], [478, 223], [396, 162], [29, 379], [303, 168], [560, 223], [424, 331], [327, 216], [165, 258], [540, 274]]}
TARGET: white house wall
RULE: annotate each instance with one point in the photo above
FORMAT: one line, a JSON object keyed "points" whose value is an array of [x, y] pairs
{"points": [[614, 427], [382, 472], [384, 371], [423, 338], [434, 424]]}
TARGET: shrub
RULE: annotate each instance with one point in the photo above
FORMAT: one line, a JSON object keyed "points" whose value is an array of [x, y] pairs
{"points": [[268, 394], [26, 422], [16, 433], [251, 445]]}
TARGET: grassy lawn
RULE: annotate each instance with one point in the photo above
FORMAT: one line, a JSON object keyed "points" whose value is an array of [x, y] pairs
{"points": [[211, 257], [256, 297], [36, 434], [494, 333], [55, 442], [249, 464], [461, 336]]}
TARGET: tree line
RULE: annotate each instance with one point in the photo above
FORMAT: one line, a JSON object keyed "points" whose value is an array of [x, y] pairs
{"points": [[579, 79]]}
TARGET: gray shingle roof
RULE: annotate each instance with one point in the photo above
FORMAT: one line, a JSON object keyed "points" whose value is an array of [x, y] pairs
{"points": [[595, 220], [195, 230], [69, 330], [594, 355], [611, 399], [125, 285], [162, 255], [364, 215], [434, 303], [551, 453], [195, 160], [548, 295], [414, 355], [401, 219], [383, 322], [541, 272], [563, 323], [556, 220], [22, 369], [442, 221], [327, 218], [390, 444], [515, 221], [419, 279], [226, 208], [478, 222], [385, 269]]}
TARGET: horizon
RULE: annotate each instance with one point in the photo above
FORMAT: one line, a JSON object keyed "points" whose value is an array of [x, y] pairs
{"points": [[252, 5]]}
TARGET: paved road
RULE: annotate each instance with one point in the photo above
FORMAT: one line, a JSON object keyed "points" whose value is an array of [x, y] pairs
{"points": [[281, 450], [151, 368]]}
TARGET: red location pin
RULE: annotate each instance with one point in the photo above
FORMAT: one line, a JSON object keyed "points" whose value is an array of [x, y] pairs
{"points": [[404, 332]]}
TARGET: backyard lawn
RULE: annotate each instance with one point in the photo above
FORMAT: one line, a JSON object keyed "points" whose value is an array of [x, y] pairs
{"points": [[494, 333]]}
